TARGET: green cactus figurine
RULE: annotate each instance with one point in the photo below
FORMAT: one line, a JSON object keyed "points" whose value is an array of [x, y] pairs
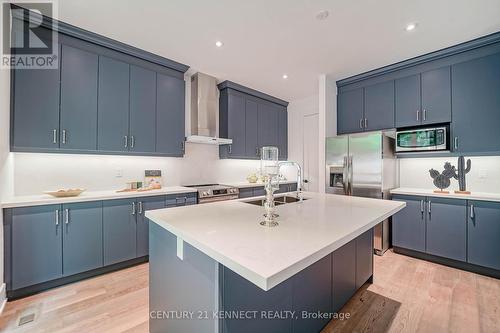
{"points": [[460, 176]]}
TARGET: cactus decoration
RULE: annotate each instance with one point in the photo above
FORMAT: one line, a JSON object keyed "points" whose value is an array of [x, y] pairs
{"points": [[460, 176], [442, 180]]}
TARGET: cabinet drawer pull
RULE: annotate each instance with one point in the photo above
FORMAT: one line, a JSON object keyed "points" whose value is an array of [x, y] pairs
{"points": [[54, 136], [64, 136], [133, 208], [66, 217]]}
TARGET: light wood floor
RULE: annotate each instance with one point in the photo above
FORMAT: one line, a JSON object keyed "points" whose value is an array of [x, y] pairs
{"points": [[408, 295]]}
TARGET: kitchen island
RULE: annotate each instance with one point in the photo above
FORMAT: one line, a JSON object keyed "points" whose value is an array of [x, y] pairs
{"points": [[213, 268]]}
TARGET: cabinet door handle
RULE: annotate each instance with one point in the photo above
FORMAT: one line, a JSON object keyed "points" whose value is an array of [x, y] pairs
{"points": [[472, 214], [132, 141], [63, 136], [456, 142], [66, 217], [257, 151], [183, 146], [57, 217], [361, 123], [133, 208], [425, 114], [422, 207], [140, 208], [230, 149], [125, 141], [54, 136], [429, 204], [418, 115]]}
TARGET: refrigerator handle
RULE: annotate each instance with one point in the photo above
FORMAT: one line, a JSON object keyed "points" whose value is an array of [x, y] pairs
{"points": [[350, 175], [345, 172]]}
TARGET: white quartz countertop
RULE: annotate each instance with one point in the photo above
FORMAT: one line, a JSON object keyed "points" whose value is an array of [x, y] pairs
{"points": [[257, 184], [229, 232], [45, 199], [452, 195]]}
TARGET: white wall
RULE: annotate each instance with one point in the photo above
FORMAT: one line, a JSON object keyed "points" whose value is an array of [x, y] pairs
{"points": [[483, 177]]}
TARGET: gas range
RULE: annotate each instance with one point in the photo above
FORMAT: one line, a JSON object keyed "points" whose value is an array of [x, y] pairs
{"points": [[215, 192]]}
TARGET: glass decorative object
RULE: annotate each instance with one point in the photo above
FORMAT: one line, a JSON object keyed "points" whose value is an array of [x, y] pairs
{"points": [[269, 169]]}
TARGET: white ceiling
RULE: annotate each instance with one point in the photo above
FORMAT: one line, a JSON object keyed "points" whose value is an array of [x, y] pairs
{"points": [[265, 39]]}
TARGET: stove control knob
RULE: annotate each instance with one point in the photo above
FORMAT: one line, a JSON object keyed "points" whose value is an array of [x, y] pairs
{"points": [[204, 194]]}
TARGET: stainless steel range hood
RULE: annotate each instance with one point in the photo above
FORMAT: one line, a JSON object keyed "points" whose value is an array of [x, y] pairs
{"points": [[205, 111]]}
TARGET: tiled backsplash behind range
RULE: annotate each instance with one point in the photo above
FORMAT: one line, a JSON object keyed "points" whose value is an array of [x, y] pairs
{"points": [[483, 177]]}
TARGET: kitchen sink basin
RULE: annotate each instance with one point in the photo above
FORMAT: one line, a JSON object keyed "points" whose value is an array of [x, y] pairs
{"points": [[278, 201]]}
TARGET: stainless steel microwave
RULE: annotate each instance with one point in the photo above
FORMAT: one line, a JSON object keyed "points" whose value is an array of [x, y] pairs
{"points": [[423, 139]]}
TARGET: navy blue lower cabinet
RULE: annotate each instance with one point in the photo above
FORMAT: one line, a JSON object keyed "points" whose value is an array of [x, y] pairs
{"points": [[364, 258], [446, 228], [484, 234], [82, 237], [36, 245], [344, 274], [408, 225], [143, 205], [119, 230]]}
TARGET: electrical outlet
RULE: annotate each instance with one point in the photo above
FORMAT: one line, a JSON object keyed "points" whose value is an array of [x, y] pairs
{"points": [[119, 173]]}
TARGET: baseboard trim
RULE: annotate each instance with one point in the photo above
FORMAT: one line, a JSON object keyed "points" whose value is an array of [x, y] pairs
{"points": [[3, 298], [449, 262], [34, 289]]}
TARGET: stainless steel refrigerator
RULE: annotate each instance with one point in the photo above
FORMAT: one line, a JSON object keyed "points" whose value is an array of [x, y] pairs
{"points": [[363, 165]]}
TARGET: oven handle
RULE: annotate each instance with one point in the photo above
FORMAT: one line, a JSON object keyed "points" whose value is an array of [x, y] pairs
{"points": [[219, 198]]}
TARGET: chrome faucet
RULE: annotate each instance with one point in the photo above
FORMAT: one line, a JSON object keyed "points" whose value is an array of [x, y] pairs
{"points": [[299, 175]]}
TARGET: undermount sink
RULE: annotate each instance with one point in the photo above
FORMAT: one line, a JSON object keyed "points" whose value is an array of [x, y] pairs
{"points": [[281, 200]]}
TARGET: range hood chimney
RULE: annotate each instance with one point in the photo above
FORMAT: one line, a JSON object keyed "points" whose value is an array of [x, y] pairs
{"points": [[205, 111]]}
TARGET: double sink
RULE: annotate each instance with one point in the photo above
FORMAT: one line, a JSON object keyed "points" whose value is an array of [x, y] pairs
{"points": [[281, 200]]}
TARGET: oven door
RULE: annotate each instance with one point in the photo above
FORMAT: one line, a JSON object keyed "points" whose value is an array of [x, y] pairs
{"points": [[426, 139]]}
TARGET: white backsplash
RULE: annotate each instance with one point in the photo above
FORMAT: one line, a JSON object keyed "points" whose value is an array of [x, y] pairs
{"points": [[483, 177], [35, 173]]}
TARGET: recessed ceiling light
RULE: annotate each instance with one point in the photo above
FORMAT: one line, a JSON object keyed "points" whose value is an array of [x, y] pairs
{"points": [[322, 15], [411, 26], [218, 43], [285, 76]]}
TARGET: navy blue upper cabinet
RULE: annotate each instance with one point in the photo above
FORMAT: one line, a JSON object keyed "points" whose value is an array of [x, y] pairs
{"points": [[436, 96], [407, 101], [476, 105], [142, 110], [446, 228], [379, 106], [350, 111], [82, 237], [408, 225], [267, 128], [36, 245], [251, 125], [483, 247], [79, 71], [232, 114], [252, 120], [101, 99], [423, 98], [113, 105], [35, 116], [170, 115]]}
